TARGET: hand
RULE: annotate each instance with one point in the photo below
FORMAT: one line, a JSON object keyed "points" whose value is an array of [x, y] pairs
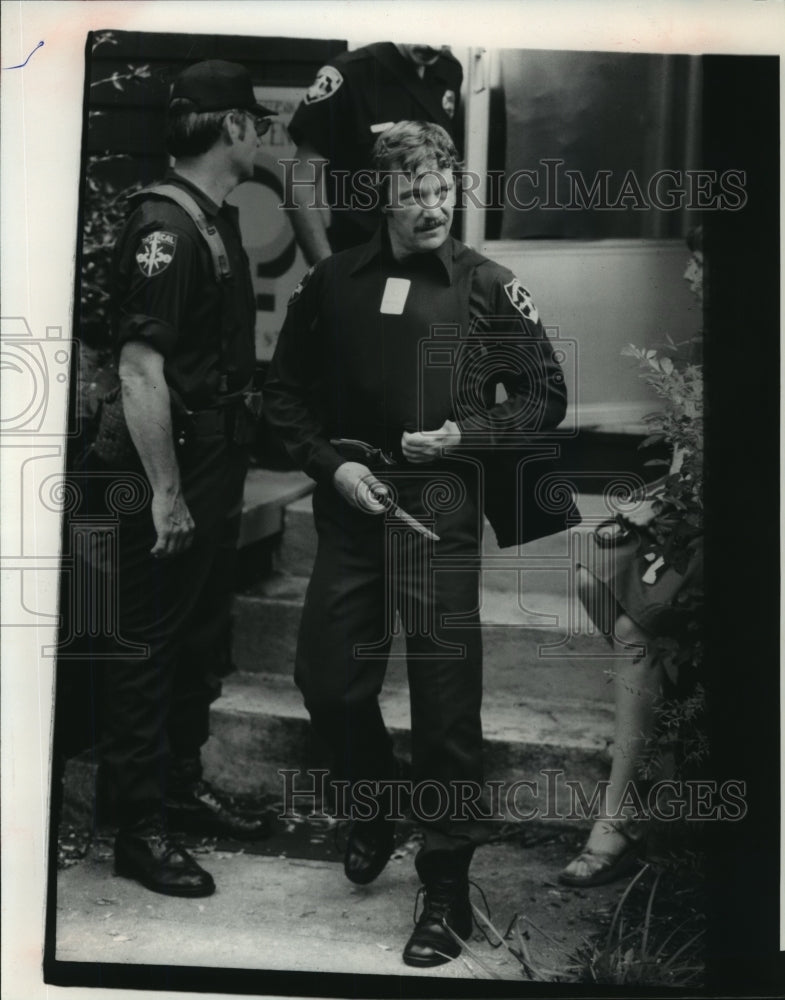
{"points": [[355, 482], [173, 524], [424, 446]]}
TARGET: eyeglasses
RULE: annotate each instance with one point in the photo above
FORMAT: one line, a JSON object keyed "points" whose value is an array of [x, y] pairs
{"points": [[262, 125]]}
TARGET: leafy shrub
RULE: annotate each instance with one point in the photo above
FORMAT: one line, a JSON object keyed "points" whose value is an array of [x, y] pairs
{"points": [[675, 533]]}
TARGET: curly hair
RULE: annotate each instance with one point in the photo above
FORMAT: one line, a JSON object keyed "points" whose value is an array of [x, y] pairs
{"points": [[411, 145], [190, 132]]}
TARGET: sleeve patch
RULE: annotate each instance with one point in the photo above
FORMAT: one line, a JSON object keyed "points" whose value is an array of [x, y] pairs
{"points": [[521, 300], [327, 82], [299, 287], [156, 252]]}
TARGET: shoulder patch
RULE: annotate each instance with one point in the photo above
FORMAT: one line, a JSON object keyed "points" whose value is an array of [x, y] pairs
{"points": [[327, 82], [522, 300], [156, 252], [300, 286]]}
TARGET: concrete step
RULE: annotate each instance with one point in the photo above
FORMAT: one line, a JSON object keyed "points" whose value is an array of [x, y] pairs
{"points": [[265, 497], [259, 727], [542, 648]]}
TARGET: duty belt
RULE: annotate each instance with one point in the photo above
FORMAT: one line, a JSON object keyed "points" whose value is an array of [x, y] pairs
{"points": [[235, 415]]}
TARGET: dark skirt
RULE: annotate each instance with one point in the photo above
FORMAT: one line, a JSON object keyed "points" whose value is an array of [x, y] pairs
{"points": [[649, 591]]}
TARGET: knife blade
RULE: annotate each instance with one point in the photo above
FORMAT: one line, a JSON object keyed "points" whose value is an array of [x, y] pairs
{"points": [[382, 494]]}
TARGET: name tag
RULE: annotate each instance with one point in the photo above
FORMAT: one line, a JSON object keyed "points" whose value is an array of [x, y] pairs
{"points": [[395, 293], [381, 127]]}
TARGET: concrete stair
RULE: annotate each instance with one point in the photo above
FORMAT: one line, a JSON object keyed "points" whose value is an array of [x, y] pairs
{"points": [[547, 702], [547, 698]]}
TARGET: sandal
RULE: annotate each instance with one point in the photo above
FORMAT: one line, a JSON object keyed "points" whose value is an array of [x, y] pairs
{"points": [[607, 866]]}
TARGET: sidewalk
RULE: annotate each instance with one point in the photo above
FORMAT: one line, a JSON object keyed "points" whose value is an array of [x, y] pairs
{"points": [[289, 907]]}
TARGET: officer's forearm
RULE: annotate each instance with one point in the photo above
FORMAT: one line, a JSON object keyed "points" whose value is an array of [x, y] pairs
{"points": [[305, 191], [309, 227], [147, 409]]}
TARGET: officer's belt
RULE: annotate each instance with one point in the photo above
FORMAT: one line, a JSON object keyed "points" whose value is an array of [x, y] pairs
{"points": [[223, 415]]}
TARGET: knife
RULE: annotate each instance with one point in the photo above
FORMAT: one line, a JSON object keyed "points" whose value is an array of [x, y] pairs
{"points": [[382, 494]]}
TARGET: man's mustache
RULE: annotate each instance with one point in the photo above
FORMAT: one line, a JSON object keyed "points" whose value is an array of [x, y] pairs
{"points": [[425, 227]]}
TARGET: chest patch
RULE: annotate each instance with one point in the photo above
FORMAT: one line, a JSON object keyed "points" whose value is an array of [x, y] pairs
{"points": [[156, 252], [522, 300], [327, 82], [396, 291], [448, 102]]}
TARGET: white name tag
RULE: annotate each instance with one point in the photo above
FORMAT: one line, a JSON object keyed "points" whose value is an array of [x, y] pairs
{"points": [[394, 299], [381, 127]]}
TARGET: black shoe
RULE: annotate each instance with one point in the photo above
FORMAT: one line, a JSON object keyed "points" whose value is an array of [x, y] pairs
{"points": [[146, 853], [197, 808], [368, 849], [446, 905]]}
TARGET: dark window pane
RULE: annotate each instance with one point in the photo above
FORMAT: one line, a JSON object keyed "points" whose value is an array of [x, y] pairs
{"points": [[585, 138]]}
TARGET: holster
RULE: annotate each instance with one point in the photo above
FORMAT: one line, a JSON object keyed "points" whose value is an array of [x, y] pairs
{"points": [[113, 445]]}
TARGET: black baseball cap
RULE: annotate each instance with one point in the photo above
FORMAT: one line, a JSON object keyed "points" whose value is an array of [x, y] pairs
{"points": [[217, 85]]}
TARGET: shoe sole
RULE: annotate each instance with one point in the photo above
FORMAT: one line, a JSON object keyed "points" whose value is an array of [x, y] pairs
{"points": [[439, 958], [183, 891], [416, 963]]}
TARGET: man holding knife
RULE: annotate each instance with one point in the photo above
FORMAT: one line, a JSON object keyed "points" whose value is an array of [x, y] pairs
{"points": [[382, 422]]}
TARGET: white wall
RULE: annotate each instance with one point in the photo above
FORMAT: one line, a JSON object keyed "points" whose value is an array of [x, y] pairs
{"points": [[605, 295]]}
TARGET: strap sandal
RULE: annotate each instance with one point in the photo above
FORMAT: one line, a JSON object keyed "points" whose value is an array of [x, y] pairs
{"points": [[607, 866]]}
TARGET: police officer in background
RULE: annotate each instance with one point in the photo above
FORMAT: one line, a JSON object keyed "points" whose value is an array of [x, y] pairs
{"points": [[349, 368], [184, 334], [351, 102]]}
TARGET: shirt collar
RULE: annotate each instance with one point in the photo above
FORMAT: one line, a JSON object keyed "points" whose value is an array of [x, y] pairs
{"points": [[204, 201], [379, 246]]}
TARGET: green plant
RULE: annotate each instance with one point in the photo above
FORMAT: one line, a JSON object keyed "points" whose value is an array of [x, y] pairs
{"points": [[104, 207], [675, 534], [644, 949], [643, 946]]}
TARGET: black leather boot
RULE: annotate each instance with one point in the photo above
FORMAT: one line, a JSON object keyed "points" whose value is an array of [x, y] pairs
{"points": [[446, 885], [446, 905]]}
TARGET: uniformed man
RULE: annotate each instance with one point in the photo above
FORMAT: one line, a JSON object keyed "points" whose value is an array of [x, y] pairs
{"points": [[184, 333], [351, 101], [392, 351]]}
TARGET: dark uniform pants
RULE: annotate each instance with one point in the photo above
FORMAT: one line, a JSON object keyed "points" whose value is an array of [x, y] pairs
{"points": [[367, 569], [157, 707]]}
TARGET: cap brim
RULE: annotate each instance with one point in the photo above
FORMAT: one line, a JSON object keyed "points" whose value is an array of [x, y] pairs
{"points": [[260, 109]]}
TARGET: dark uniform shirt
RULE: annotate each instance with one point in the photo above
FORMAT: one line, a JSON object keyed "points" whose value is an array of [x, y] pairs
{"points": [[372, 346], [167, 294], [352, 101]]}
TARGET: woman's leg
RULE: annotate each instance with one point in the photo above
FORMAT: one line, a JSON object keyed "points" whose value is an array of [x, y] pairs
{"points": [[636, 689]]}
